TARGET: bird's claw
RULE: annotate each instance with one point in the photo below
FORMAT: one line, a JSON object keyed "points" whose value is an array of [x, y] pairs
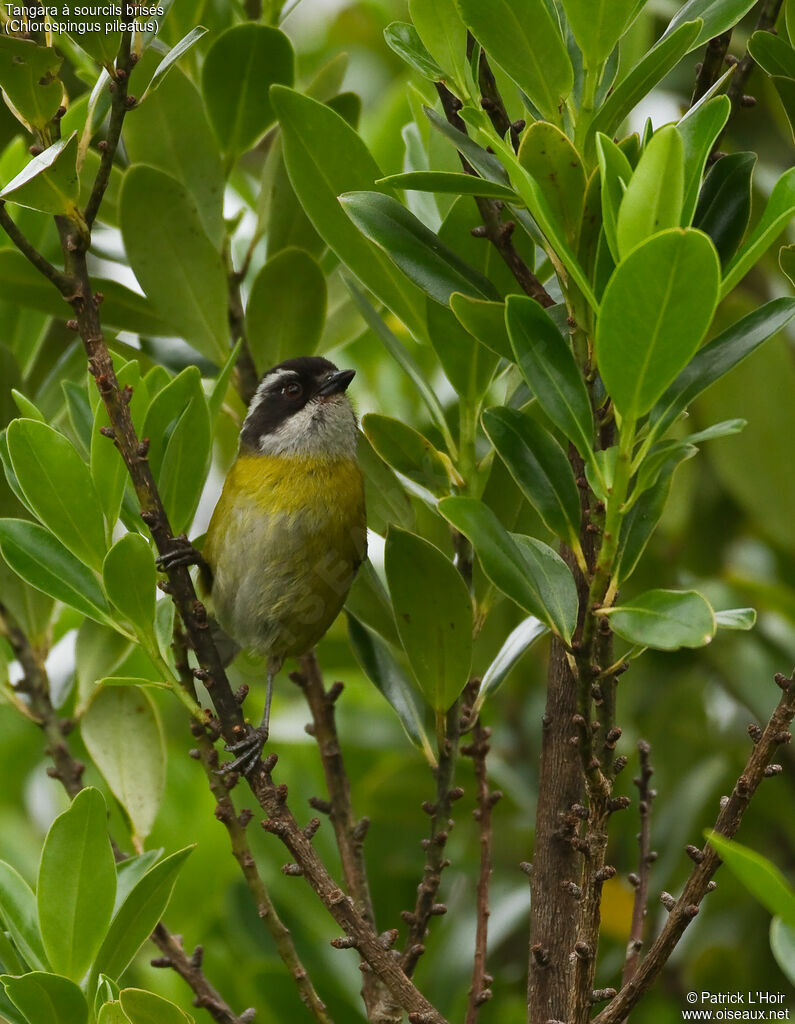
{"points": [[181, 552], [248, 750]]}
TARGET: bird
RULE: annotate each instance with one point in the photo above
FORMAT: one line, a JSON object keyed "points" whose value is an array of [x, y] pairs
{"points": [[289, 530]]}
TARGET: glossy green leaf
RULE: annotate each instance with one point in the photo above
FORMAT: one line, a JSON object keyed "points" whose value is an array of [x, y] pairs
{"points": [[43, 562], [540, 468], [138, 914], [444, 35], [217, 396], [406, 450], [785, 87], [524, 569], [26, 408], [240, 67], [146, 1008], [384, 670], [385, 496], [406, 43], [650, 69], [112, 1013], [170, 131], [664, 619], [654, 196], [102, 46], [778, 212], [782, 937], [487, 165], [659, 457], [130, 871], [185, 462], [724, 203], [719, 356], [47, 998], [759, 875], [724, 429], [736, 618], [288, 224], [49, 183], [286, 308], [518, 641], [130, 578], [549, 157], [717, 16], [326, 157], [548, 365], [485, 321], [525, 40], [28, 76], [368, 602], [699, 132], [18, 913], [434, 621], [449, 183], [786, 261], [170, 59], [57, 485], [413, 248], [597, 26], [652, 320], [165, 409], [175, 262], [615, 171], [77, 885]]}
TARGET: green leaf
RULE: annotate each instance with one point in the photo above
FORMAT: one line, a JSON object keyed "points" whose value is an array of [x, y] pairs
{"points": [[43, 562], [413, 248], [723, 429], [615, 171], [170, 131], [724, 203], [597, 26], [778, 212], [525, 40], [664, 619], [785, 87], [77, 885], [654, 196], [28, 76], [240, 67], [185, 462], [786, 261], [434, 620], [440, 28], [518, 641], [57, 485], [540, 468], [449, 183], [548, 365], [387, 674], [175, 262], [138, 914], [718, 16], [487, 165], [524, 569], [49, 183], [326, 157], [699, 130], [130, 577], [18, 913], [47, 998], [146, 1008], [165, 409], [650, 69], [405, 41], [26, 408], [759, 876], [385, 496], [782, 936], [552, 161], [718, 357], [130, 871], [652, 320], [102, 46], [170, 59], [406, 450], [112, 1013], [368, 602], [286, 308], [217, 396], [485, 321], [124, 736], [736, 618]]}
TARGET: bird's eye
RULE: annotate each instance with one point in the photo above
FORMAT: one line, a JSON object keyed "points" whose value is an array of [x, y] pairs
{"points": [[292, 390]]}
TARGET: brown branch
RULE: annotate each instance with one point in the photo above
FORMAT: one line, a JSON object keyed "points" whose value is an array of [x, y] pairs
{"points": [[497, 231], [645, 859], [709, 70], [683, 910], [480, 991], [62, 282]]}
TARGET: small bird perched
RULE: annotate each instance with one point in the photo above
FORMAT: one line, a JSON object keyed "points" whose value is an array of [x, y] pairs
{"points": [[289, 530]]}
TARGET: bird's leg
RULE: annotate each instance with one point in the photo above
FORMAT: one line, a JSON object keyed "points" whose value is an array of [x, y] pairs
{"points": [[181, 552], [249, 749]]}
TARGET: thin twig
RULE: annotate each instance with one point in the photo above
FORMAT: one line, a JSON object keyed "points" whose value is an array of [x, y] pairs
{"points": [[683, 910], [480, 990], [63, 282], [645, 859], [709, 70], [120, 104]]}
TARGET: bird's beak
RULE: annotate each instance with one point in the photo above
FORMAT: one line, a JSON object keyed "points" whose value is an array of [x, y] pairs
{"points": [[336, 383]]}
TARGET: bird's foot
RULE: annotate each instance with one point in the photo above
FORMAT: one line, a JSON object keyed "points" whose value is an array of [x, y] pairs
{"points": [[248, 750], [181, 552]]}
